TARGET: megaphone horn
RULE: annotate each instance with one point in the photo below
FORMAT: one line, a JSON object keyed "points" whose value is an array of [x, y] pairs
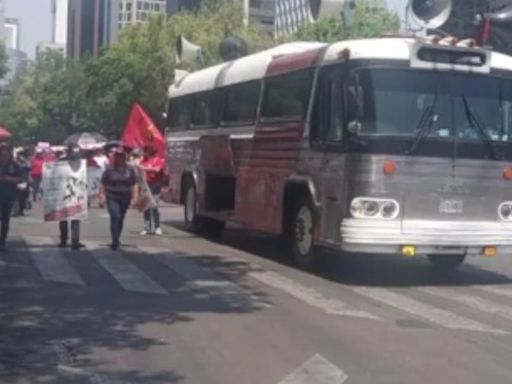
{"points": [[430, 14], [187, 51]]}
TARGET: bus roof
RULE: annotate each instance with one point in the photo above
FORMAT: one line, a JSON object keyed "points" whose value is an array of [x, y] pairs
{"points": [[255, 66], [251, 67]]}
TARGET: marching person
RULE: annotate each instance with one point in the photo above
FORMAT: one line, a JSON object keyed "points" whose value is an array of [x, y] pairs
{"points": [[10, 177], [37, 173], [119, 189], [24, 186], [153, 168], [73, 154]]}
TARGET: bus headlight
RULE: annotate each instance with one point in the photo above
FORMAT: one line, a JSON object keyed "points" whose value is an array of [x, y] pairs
{"points": [[370, 208], [505, 211]]}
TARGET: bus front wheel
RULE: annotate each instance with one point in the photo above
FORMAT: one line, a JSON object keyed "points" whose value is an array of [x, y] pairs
{"points": [[446, 262], [300, 234], [195, 222]]}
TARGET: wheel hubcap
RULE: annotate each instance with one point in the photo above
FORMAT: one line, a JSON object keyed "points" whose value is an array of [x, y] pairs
{"points": [[304, 230], [190, 205]]}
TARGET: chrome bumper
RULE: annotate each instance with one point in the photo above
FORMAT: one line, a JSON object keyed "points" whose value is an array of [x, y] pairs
{"points": [[432, 237]]}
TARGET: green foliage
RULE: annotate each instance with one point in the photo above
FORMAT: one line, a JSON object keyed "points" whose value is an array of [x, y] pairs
{"points": [[57, 97], [368, 21], [3, 61]]}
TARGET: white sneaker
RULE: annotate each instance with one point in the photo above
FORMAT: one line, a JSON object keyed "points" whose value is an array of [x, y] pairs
{"points": [[144, 233], [159, 232]]}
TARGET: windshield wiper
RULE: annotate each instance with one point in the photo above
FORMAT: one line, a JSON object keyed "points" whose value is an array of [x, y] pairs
{"points": [[425, 125], [475, 123]]}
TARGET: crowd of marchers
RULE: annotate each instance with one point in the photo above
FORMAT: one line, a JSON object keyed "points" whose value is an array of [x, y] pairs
{"points": [[122, 169]]}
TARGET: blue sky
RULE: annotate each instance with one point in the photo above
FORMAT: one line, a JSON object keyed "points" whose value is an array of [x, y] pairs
{"points": [[35, 19]]}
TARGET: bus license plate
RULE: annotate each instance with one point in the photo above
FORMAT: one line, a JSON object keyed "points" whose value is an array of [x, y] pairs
{"points": [[451, 207]]}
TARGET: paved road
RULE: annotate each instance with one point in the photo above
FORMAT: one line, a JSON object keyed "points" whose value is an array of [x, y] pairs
{"points": [[182, 309]]}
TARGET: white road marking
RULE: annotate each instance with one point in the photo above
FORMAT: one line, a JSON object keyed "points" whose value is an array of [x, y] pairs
{"points": [[130, 277], [496, 289], [51, 263], [309, 296], [471, 301], [204, 279], [435, 315], [317, 370]]}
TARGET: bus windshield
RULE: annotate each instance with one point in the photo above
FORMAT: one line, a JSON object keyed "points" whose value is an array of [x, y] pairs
{"points": [[394, 102]]}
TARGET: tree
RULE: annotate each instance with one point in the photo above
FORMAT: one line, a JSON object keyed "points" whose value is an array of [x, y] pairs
{"points": [[57, 97], [368, 21], [3, 61]]}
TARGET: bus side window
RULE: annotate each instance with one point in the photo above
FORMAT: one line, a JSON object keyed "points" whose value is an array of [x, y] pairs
{"points": [[207, 106], [179, 112], [286, 96], [241, 103]]}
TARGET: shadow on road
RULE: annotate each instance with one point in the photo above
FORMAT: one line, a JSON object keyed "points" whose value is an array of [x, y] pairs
{"points": [[52, 333], [363, 270]]}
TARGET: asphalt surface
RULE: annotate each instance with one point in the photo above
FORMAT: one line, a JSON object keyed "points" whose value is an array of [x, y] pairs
{"points": [[184, 309]]}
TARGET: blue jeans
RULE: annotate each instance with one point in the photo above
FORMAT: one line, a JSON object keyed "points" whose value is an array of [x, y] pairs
{"points": [[117, 207]]}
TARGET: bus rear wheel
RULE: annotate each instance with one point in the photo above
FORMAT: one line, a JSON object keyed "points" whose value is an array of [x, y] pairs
{"points": [[446, 262], [197, 223], [300, 234]]}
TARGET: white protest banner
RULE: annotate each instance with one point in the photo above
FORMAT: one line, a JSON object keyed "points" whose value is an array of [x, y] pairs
{"points": [[94, 175], [65, 190]]}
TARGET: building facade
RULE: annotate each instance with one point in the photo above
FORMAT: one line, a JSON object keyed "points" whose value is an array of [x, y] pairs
{"points": [[43, 48], [16, 63], [59, 9], [2, 20], [12, 33], [92, 25], [133, 11]]}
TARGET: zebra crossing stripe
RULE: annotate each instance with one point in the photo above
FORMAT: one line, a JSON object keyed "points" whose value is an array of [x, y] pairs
{"points": [[435, 315], [309, 295], [129, 277], [51, 263], [478, 303], [206, 280], [317, 370], [495, 289]]}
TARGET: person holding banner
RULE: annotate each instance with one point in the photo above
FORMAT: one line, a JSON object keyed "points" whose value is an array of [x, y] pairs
{"points": [[10, 176], [73, 155], [119, 188]]}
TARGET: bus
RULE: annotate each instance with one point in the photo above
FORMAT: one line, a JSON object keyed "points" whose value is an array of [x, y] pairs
{"points": [[394, 145]]}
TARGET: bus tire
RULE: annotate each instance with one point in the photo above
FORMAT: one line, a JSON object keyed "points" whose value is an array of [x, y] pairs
{"points": [[446, 262], [193, 221], [300, 229], [197, 223]]}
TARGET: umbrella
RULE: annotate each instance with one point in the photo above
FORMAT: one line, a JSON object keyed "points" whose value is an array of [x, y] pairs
{"points": [[85, 140], [4, 133]]}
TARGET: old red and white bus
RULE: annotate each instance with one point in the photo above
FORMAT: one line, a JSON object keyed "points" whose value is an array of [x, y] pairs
{"points": [[392, 145]]}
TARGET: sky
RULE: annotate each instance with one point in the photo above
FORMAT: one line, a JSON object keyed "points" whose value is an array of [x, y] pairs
{"points": [[35, 21]]}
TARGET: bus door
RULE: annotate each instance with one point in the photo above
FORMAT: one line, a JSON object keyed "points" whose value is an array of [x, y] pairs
{"points": [[329, 116]]}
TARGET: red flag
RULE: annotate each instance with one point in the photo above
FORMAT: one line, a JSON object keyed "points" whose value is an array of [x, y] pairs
{"points": [[4, 133], [140, 131]]}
